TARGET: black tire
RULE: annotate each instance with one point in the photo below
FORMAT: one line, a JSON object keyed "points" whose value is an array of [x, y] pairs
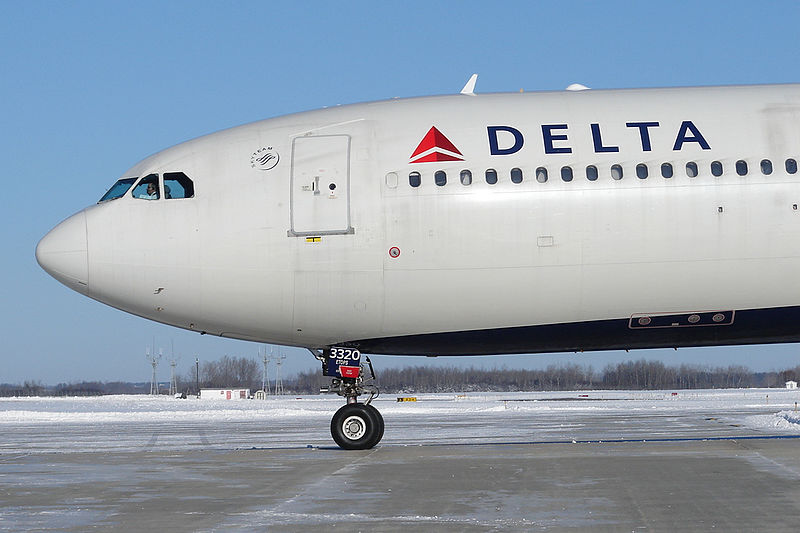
{"points": [[379, 418], [355, 427]]}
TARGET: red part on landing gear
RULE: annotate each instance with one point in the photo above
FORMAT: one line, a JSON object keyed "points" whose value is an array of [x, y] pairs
{"points": [[349, 371]]}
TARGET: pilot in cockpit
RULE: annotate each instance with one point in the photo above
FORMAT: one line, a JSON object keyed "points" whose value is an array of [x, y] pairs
{"points": [[152, 192]]}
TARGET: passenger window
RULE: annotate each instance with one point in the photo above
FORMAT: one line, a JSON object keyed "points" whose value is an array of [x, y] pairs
{"points": [[178, 185], [566, 173], [691, 169], [541, 174], [616, 172], [766, 167], [516, 175], [147, 189], [716, 169], [591, 173], [414, 179], [666, 170], [466, 177], [641, 171], [440, 177], [741, 167], [791, 166], [491, 176]]}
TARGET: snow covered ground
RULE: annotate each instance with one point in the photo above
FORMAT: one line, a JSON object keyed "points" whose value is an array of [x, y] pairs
{"points": [[135, 422], [601, 460]]}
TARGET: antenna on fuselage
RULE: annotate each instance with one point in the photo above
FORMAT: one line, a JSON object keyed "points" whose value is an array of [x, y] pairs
{"points": [[577, 87], [469, 88]]}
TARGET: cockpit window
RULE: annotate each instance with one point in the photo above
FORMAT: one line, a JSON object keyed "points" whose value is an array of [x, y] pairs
{"points": [[178, 185], [147, 188], [118, 190]]}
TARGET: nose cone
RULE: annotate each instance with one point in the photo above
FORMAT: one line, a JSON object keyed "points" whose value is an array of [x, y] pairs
{"points": [[62, 253]]}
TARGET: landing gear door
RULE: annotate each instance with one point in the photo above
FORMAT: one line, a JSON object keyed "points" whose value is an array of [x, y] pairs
{"points": [[342, 362], [320, 190]]}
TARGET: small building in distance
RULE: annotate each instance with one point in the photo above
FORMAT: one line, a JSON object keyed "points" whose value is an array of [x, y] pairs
{"points": [[791, 384], [225, 394]]}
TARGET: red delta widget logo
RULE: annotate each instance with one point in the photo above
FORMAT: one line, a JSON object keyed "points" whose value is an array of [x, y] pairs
{"points": [[435, 147]]}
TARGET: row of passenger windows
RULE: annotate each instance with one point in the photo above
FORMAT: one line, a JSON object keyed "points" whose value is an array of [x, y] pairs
{"points": [[567, 174]]}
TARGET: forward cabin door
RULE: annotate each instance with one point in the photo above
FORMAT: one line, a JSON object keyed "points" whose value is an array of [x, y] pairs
{"points": [[320, 190]]}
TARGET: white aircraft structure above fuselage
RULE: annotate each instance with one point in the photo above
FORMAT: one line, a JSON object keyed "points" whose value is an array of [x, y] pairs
{"points": [[463, 224]]}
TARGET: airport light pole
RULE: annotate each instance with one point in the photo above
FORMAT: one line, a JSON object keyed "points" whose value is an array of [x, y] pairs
{"points": [[197, 376]]}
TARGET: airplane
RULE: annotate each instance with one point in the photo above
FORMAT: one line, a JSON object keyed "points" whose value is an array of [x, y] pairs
{"points": [[553, 221]]}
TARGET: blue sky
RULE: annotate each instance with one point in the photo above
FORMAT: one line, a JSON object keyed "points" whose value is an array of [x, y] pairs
{"points": [[89, 88]]}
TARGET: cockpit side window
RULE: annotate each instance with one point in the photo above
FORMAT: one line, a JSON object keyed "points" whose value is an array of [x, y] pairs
{"points": [[147, 188], [178, 185], [118, 190]]}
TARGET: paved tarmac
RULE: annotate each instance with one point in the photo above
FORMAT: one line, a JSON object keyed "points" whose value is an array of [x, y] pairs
{"points": [[699, 473]]}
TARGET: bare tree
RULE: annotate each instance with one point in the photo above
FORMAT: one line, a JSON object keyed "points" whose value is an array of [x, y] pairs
{"points": [[227, 372]]}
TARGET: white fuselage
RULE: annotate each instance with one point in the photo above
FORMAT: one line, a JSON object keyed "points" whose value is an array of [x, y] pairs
{"points": [[267, 251]]}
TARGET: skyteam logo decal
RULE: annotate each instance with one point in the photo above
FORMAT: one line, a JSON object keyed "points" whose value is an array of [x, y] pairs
{"points": [[264, 158], [435, 147]]}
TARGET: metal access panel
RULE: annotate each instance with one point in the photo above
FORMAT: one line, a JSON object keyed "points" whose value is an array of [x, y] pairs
{"points": [[320, 193]]}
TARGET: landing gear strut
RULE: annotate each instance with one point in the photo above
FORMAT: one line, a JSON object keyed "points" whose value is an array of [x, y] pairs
{"points": [[355, 426]]}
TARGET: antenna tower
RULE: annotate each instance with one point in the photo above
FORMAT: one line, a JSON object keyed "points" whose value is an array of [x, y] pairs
{"points": [[154, 359], [278, 378], [173, 384], [266, 359]]}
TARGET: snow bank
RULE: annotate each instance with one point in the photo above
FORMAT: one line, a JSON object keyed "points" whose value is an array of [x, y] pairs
{"points": [[788, 421], [140, 408]]}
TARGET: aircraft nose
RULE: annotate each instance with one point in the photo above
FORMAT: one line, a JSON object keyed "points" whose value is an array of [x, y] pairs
{"points": [[63, 253]]}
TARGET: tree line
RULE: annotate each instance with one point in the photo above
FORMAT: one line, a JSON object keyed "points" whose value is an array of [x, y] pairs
{"points": [[227, 372], [244, 372], [629, 375]]}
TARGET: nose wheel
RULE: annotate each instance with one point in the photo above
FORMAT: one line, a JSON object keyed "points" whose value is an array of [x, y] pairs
{"points": [[355, 426]]}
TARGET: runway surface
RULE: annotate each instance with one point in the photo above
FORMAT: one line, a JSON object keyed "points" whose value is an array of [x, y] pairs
{"points": [[612, 461]]}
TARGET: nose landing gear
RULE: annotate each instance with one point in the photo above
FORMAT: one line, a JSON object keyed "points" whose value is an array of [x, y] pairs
{"points": [[355, 426]]}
